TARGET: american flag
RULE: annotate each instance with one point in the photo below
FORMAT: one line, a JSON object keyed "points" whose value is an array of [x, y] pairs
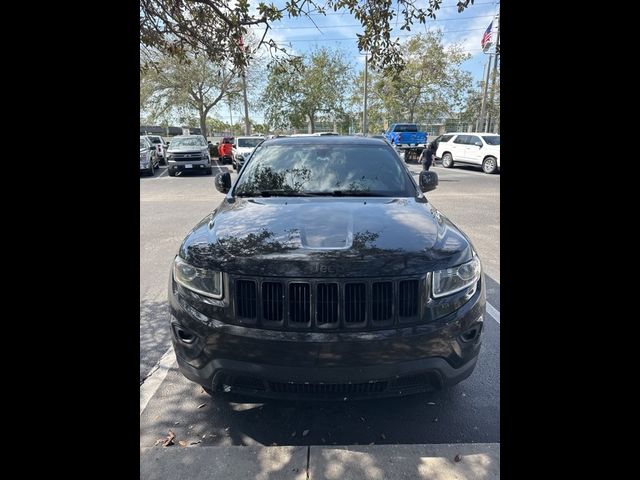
{"points": [[486, 38]]}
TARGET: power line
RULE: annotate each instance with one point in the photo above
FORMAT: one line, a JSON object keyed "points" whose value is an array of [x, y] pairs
{"points": [[353, 38], [359, 25], [436, 11]]}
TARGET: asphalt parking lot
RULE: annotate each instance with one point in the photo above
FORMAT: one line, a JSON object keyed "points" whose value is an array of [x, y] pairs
{"points": [[466, 413]]}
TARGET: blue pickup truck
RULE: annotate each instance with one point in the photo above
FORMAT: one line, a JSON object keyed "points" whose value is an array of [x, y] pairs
{"points": [[407, 138]]}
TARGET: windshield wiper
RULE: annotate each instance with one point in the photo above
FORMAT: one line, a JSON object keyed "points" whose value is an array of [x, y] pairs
{"points": [[347, 193], [273, 193]]}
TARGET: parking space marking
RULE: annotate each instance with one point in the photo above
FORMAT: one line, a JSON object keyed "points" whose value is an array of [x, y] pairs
{"points": [[491, 310], [155, 377], [163, 172]]}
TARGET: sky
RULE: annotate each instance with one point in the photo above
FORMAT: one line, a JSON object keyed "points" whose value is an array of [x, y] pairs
{"points": [[338, 31]]}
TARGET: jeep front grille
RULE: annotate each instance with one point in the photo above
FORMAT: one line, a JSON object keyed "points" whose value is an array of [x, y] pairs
{"points": [[328, 305]]}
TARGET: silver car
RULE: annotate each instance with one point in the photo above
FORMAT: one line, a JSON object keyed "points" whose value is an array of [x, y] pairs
{"points": [[188, 153], [148, 156]]}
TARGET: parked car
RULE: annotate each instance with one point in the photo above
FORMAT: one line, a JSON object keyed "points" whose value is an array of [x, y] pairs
{"points": [[325, 273], [243, 148], [481, 149], [225, 150], [159, 143], [148, 156], [188, 153]]}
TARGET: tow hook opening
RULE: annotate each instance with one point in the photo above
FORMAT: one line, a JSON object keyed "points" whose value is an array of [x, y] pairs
{"points": [[472, 333], [183, 335]]}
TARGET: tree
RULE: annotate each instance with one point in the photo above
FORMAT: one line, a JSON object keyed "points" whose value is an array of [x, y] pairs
{"points": [[216, 27], [315, 85], [473, 106], [188, 87], [431, 85]]}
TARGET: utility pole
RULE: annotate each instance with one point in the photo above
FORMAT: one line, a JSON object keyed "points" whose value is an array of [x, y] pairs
{"points": [[493, 78], [484, 95], [247, 123], [230, 118], [365, 126]]}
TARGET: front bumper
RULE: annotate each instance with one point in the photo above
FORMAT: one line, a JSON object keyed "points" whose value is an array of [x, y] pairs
{"points": [[327, 366], [199, 165]]}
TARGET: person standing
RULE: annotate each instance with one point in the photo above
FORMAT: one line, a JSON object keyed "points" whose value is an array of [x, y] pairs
{"points": [[426, 157]]}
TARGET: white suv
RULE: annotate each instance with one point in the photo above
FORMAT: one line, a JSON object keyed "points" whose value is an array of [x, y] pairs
{"points": [[243, 147], [482, 149]]}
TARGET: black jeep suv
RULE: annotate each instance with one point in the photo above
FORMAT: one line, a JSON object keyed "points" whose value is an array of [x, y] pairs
{"points": [[325, 273]]}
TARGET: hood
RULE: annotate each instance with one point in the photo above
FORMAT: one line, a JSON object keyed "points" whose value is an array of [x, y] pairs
{"points": [[244, 150], [325, 237], [186, 149], [491, 148]]}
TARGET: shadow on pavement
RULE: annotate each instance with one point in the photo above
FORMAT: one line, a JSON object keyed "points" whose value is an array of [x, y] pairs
{"points": [[155, 336]]}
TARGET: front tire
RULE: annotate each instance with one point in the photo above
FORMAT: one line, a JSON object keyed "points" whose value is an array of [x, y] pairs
{"points": [[490, 165], [151, 169], [447, 160], [209, 171], [172, 172]]}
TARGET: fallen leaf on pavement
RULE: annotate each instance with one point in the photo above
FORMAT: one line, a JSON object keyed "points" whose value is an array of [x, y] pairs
{"points": [[167, 441], [458, 458], [202, 405], [305, 433], [431, 403], [196, 442], [182, 443], [435, 419], [384, 437]]}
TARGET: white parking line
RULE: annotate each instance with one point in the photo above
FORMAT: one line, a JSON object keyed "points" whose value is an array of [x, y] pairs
{"points": [[491, 310], [155, 377], [163, 173]]}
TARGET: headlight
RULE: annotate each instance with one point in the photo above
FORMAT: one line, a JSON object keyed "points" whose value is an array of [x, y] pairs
{"points": [[199, 280], [452, 280]]}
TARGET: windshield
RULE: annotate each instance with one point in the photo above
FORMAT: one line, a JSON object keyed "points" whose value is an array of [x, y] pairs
{"points": [[143, 143], [492, 139], [406, 128], [298, 170], [188, 142], [249, 142], [155, 139]]}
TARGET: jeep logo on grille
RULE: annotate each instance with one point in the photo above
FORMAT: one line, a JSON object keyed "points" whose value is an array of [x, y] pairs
{"points": [[327, 268]]}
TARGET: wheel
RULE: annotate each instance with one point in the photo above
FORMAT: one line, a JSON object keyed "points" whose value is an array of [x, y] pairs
{"points": [[234, 166], [172, 172], [151, 169], [447, 160], [209, 171], [490, 165]]}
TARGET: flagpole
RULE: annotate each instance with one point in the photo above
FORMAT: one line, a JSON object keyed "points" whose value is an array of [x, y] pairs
{"points": [[484, 95], [493, 78]]}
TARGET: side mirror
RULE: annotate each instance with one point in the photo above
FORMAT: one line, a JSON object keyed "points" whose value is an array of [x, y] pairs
{"points": [[428, 181], [478, 144], [223, 182]]}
